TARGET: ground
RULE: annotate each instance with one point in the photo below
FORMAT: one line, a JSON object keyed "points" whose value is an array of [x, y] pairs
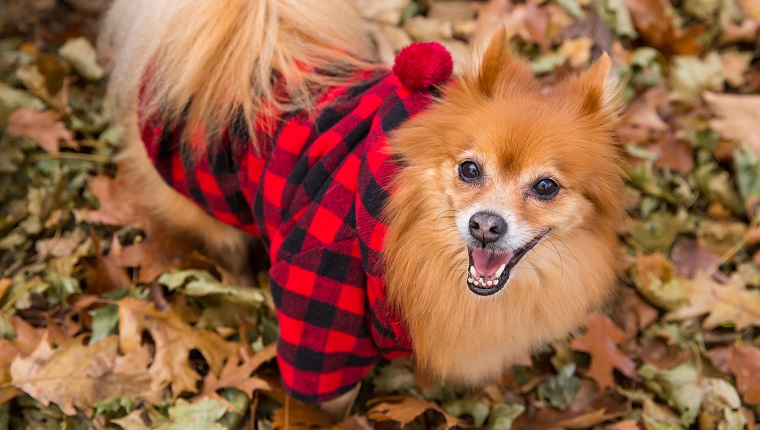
{"points": [[106, 324]]}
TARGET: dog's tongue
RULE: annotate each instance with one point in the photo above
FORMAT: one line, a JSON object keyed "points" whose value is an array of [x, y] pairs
{"points": [[486, 262]]}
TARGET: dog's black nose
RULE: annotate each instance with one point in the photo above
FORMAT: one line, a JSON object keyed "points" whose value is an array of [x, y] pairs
{"points": [[487, 228]]}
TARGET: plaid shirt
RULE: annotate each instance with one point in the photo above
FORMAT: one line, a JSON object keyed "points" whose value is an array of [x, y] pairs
{"points": [[314, 196]]}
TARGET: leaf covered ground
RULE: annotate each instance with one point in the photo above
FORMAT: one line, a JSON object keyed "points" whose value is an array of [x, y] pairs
{"points": [[106, 323]]}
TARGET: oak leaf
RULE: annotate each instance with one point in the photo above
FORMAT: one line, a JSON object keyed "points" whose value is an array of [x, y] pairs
{"points": [[238, 375], [744, 363], [44, 128], [737, 117], [655, 20], [174, 340], [600, 342], [25, 341], [77, 376], [158, 252], [730, 303], [404, 410]]}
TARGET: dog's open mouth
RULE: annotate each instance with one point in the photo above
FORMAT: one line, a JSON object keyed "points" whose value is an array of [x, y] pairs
{"points": [[488, 271]]}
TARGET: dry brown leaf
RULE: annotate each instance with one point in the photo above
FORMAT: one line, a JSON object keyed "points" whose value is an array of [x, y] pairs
{"points": [[673, 154], [689, 257], [27, 339], [600, 342], [117, 203], [295, 415], [589, 419], [735, 64], [158, 252], [744, 363], [637, 314], [404, 410], [45, 128], [238, 375], [737, 117], [174, 340], [654, 19], [729, 303], [76, 376], [623, 425]]}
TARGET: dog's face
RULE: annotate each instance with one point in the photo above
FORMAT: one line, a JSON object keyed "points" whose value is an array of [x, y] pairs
{"points": [[516, 165]]}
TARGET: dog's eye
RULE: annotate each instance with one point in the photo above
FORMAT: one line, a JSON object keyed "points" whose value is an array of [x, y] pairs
{"points": [[545, 189], [469, 171]]}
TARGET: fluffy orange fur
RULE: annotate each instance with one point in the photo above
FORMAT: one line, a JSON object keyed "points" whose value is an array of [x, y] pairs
{"points": [[518, 132], [221, 58]]}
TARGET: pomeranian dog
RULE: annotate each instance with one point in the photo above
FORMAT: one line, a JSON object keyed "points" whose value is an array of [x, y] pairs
{"points": [[464, 221]]}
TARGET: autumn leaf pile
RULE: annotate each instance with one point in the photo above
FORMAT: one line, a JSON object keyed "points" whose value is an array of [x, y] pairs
{"points": [[108, 323]]}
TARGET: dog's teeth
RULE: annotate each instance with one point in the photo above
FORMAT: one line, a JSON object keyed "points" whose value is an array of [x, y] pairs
{"points": [[500, 271], [473, 272], [489, 283], [470, 280]]}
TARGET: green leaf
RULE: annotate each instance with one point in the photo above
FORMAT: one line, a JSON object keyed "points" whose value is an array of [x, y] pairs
{"points": [[572, 7], [615, 14], [690, 76], [114, 405], [105, 321], [717, 186], [680, 387], [561, 388], [661, 229], [475, 408], [202, 414], [747, 166], [392, 378], [503, 416]]}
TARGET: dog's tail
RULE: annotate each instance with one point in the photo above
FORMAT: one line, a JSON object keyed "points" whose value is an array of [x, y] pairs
{"points": [[209, 60]]}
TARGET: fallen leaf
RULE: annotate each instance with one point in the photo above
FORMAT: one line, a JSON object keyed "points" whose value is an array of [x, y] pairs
{"points": [[80, 53], [118, 203], [654, 277], [404, 410], [174, 340], [560, 389], [637, 314], [689, 257], [655, 20], [588, 420], [680, 387], [237, 374], [735, 65], [44, 128], [76, 376], [731, 303], [295, 415], [673, 154], [691, 76], [721, 406], [203, 414], [600, 342], [744, 363], [736, 117], [623, 425]]}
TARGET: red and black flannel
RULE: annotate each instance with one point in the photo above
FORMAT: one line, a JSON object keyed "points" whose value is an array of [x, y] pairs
{"points": [[314, 197]]}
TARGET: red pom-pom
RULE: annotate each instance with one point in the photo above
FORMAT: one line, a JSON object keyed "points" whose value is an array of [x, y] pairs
{"points": [[419, 66]]}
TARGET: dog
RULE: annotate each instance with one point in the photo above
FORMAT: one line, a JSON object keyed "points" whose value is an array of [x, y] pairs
{"points": [[465, 221]]}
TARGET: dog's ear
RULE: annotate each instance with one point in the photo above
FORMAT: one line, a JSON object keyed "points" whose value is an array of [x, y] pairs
{"points": [[597, 88], [495, 67]]}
